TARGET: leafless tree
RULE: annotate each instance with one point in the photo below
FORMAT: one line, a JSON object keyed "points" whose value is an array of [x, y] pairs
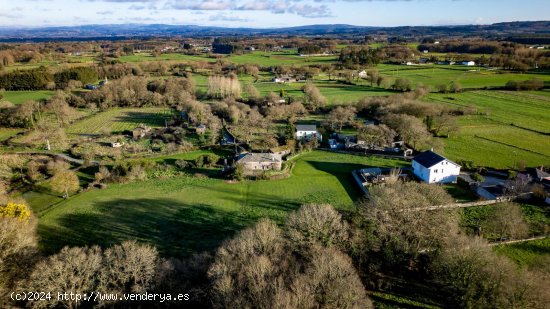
{"points": [[477, 277], [400, 231], [505, 221], [316, 224], [341, 116], [71, 270], [376, 135], [313, 97], [18, 251]]}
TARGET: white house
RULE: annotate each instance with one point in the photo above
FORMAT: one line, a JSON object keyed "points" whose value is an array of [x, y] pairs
{"points": [[362, 74], [468, 63], [307, 132], [433, 168]]}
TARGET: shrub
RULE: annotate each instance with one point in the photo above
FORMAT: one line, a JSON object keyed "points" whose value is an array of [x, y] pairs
{"points": [[477, 177], [14, 210], [181, 164], [206, 160]]}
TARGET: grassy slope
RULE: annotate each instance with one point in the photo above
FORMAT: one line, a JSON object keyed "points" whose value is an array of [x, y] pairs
{"points": [[528, 253], [186, 214], [530, 110]]}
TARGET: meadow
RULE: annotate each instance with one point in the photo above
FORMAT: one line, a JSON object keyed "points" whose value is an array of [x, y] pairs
{"points": [[189, 214], [509, 127], [120, 119]]}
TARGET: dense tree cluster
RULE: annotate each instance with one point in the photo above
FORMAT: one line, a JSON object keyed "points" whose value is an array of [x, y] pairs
{"points": [[531, 84], [300, 266], [472, 47], [364, 56], [35, 79]]}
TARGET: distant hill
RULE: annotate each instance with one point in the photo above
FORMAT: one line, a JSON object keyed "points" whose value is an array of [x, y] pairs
{"points": [[124, 31]]}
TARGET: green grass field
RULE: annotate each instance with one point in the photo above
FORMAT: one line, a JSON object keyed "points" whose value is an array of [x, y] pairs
{"points": [[468, 77], [188, 214], [120, 119], [491, 139], [529, 253], [6, 133], [18, 97]]}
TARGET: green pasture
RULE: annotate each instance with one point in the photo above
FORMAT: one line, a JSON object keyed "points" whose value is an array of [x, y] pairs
{"points": [[526, 109], [19, 97], [189, 214], [468, 77], [120, 119], [508, 128]]}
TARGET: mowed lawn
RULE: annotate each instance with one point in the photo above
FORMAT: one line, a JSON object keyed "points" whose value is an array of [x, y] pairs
{"points": [[490, 139], [19, 97], [188, 214], [120, 119]]}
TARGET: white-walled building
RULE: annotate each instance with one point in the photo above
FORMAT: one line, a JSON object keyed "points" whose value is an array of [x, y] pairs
{"points": [[468, 63], [433, 168], [307, 132]]}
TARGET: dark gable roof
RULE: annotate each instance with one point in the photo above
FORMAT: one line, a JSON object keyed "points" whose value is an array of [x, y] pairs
{"points": [[430, 158], [306, 127]]}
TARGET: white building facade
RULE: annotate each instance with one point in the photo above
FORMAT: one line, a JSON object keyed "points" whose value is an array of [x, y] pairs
{"points": [[433, 168], [307, 132]]}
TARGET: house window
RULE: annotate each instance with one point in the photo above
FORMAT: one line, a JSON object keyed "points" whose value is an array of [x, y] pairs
{"points": [[435, 171]]}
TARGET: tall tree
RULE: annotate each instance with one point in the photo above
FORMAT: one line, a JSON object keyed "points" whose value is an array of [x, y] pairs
{"points": [[65, 182]]}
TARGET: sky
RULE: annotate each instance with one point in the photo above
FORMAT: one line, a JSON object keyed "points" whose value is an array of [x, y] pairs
{"points": [[269, 13]]}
